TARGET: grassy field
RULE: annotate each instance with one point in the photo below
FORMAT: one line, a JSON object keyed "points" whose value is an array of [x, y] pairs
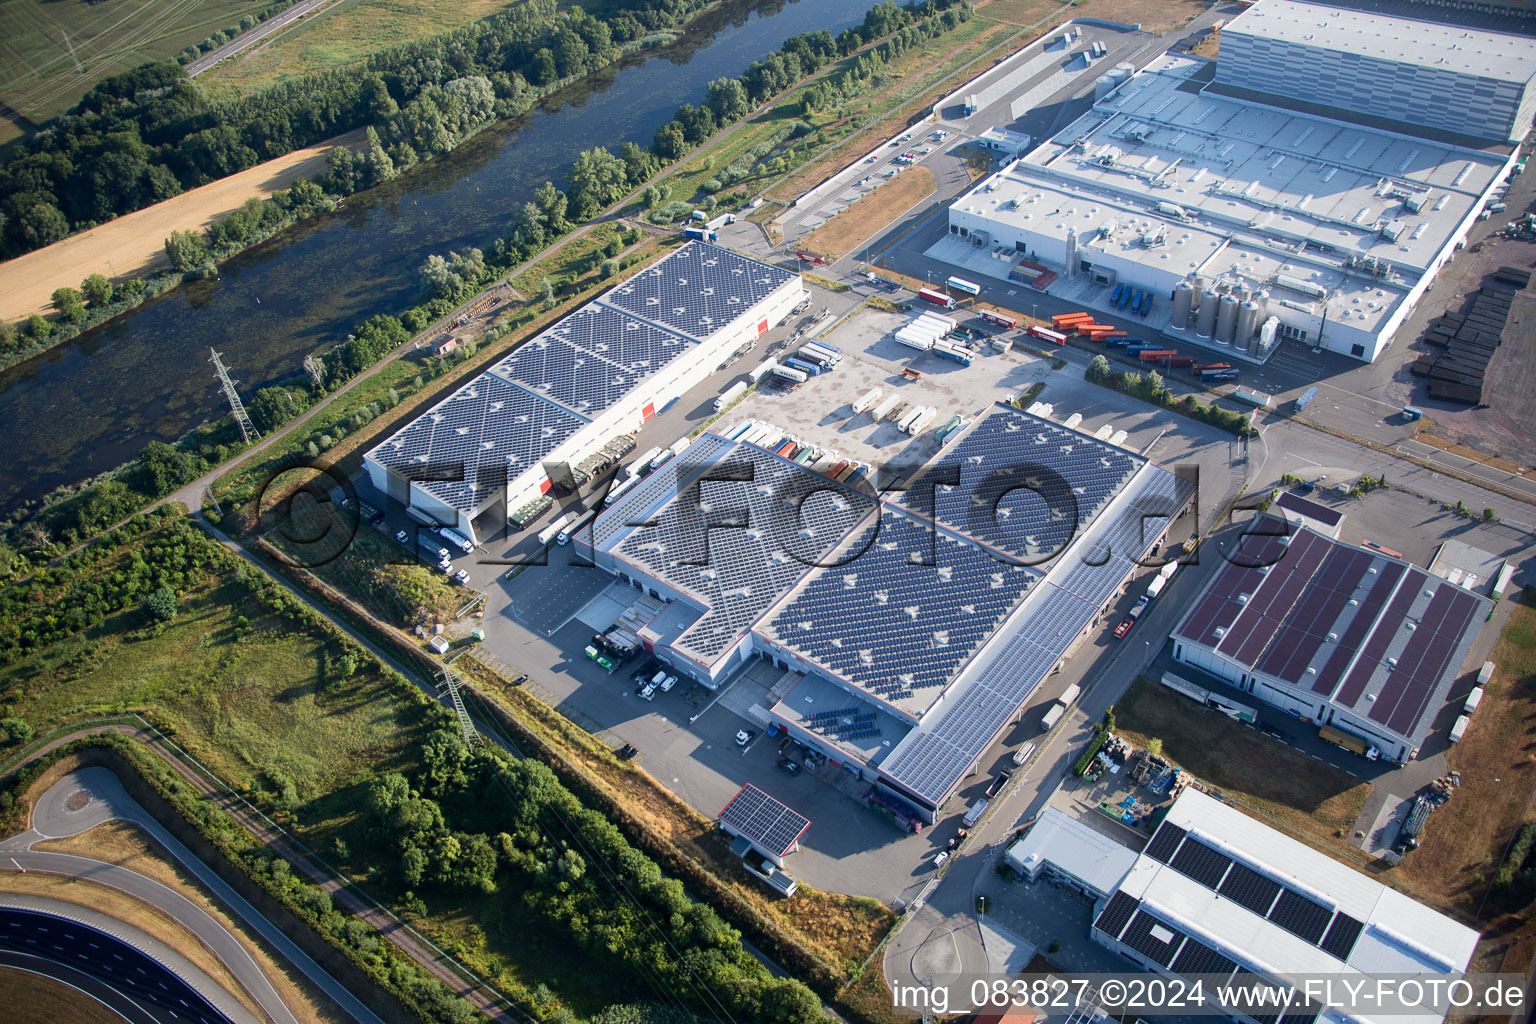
{"points": [[239, 685], [351, 555], [1304, 795], [1466, 838], [54, 52], [870, 214], [33, 999], [345, 34], [120, 843]]}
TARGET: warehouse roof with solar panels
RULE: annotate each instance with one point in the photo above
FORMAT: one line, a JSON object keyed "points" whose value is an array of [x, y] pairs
{"points": [[1370, 634], [698, 289], [1218, 892], [942, 621], [510, 418]]}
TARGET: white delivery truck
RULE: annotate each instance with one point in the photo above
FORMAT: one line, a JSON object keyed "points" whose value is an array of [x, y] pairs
{"points": [[1460, 728], [730, 395], [1052, 716]]}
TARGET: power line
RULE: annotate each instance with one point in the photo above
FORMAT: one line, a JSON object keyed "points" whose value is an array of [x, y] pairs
{"points": [[236, 407]]}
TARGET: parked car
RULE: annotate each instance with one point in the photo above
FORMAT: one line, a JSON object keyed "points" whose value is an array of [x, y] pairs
{"points": [[744, 736], [940, 858], [871, 159], [628, 751], [402, 537], [668, 683], [377, 520], [790, 765]]}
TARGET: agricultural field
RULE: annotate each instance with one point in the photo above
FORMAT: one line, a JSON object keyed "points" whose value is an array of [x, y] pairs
{"points": [[346, 33], [54, 52], [1305, 797]]}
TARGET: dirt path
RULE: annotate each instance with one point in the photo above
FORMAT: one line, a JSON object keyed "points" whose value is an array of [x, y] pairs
{"points": [[134, 243]]}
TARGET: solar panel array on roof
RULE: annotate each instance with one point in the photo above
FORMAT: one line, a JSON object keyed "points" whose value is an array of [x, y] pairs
{"points": [[1372, 635], [1248, 888], [1020, 484], [740, 538], [698, 289], [592, 358], [937, 754], [1201, 862], [1301, 915], [764, 820], [1340, 940], [909, 607], [636, 506], [512, 417], [1167, 840], [484, 429], [1198, 958], [1116, 914], [1153, 939]]}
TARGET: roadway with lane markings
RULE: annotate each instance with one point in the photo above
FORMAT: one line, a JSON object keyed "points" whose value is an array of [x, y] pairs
{"points": [[90, 796]]}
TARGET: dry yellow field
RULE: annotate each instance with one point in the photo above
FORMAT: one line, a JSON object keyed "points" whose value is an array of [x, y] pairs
{"points": [[134, 244], [860, 221]]}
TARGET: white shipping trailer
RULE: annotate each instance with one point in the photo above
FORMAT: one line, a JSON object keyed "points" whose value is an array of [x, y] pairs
{"points": [[866, 400], [883, 409], [730, 395]]}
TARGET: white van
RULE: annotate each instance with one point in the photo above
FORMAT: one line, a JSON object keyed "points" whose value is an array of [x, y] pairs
{"points": [[1473, 700]]}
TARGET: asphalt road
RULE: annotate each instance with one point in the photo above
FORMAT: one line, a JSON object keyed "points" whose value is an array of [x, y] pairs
{"points": [[246, 40], [91, 796], [132, 983]]}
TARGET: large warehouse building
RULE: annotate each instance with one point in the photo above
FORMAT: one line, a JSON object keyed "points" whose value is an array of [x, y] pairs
{"points": [[600, 372], [1254, 199], [922, 621], [1383, 62], [1345, 636], [1216, 892]]}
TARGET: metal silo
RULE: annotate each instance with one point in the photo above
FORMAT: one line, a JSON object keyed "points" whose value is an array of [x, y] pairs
{"points": [[1103, 86], [1071, 260], [1183, 302], [1247, 322], [1263, 300], [1205, 319], [1226, 320]]}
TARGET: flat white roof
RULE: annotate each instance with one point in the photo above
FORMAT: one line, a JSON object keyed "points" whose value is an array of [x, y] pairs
{"points": [[1265, 192], [1074, 848], [1428, 44], [1399, 935]]}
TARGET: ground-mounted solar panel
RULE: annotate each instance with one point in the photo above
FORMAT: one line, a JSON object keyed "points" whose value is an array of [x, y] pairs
{"points": [[1250, 889], [1342, 933], [1201, 862], [1301, 915], [1152, 938], [1165, 842], [1198, 958], [1116, 914]]}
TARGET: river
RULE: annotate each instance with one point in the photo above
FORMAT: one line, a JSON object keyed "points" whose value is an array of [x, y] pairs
{"points": [[90, 405]]}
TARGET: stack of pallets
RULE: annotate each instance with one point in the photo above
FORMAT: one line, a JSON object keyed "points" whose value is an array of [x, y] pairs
{"points": [[1469, 340]]}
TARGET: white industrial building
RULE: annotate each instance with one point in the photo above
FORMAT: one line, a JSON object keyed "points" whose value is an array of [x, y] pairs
{"points": [[1068, 850], [1249, 220], [1216, 892], [597, 373], [1387, 62]]}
